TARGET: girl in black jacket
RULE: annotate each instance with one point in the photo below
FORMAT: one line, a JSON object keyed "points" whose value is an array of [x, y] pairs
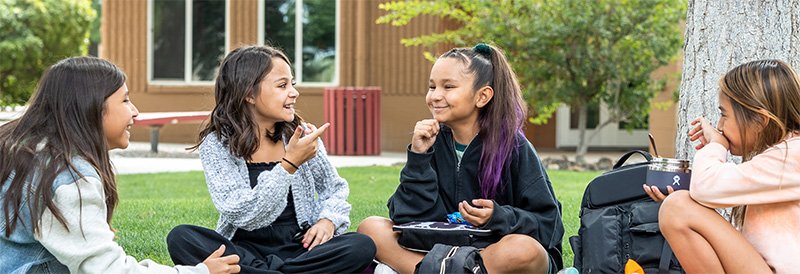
{"points": [[473, 158]]}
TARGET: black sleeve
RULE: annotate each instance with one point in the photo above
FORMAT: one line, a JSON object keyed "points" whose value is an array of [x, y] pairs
{"points": [[417, 197], [535, 211]]}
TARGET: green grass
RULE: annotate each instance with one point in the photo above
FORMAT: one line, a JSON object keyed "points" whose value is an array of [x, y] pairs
{"points": [[152, 204]]}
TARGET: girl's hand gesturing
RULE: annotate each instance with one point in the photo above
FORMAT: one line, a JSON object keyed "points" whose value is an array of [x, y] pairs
{"points": [[424, 135], [310, 128], [479, 214], [301, 149], [318, 234], [706, 133]]}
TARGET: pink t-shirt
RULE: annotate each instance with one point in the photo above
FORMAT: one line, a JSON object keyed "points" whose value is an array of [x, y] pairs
{"points": [[769, 184]]}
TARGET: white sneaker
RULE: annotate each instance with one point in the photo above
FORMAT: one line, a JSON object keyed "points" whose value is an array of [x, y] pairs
{"points": [[383, 269]]}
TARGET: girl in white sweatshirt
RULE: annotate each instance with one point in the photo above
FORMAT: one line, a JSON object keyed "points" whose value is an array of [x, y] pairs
{"points": [[57, 186]]}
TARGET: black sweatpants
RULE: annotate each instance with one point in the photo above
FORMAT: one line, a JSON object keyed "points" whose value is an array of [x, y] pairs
{"points": [[347, 253]]}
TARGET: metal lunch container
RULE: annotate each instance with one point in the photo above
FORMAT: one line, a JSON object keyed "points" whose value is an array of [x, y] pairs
{"points": [[663, 172]]}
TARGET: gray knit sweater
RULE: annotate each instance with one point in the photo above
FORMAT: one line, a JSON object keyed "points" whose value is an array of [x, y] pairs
{"points": [[317, 189]]}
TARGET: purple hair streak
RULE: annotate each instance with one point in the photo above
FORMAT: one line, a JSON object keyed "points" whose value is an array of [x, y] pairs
{"points": [[501, 120]]}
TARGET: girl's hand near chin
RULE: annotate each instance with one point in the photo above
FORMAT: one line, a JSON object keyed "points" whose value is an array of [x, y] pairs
{"points": [[706, 133], [424, 135]]}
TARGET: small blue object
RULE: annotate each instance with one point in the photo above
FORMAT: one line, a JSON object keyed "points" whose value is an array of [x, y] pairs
{"points": [[569, 270], [456, 218]]}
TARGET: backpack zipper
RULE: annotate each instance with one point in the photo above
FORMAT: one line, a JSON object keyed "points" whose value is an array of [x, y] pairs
{"points": [[458, 160], [455, 154]]}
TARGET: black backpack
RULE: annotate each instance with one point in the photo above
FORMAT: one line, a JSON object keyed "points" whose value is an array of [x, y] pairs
{"points": [[620, 222], [452, 260]]}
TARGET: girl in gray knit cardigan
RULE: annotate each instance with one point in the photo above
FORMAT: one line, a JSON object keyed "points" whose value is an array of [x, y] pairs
{"points": [[282, 205]]}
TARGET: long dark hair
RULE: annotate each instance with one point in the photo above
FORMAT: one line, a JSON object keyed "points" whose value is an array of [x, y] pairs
{"points": [[758, 89], [239, 77], [501, 120], [64, 120]]}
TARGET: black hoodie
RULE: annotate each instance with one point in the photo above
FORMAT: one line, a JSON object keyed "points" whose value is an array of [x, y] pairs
{"points": [[432, 184]]}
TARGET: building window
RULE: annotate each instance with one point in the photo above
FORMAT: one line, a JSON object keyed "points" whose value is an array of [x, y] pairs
{"points": [[187, 40], [307, 30], [592, 116]]}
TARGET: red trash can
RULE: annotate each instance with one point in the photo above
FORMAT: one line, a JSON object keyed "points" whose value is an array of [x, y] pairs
{"points": [[355, 117]]}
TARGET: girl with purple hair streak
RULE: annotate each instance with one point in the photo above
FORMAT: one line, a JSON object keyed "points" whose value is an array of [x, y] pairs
{"points": [[473, 158]]}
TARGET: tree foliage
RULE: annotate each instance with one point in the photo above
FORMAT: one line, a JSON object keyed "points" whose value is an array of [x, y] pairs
{"points": [[571, 52], [35, 34]]}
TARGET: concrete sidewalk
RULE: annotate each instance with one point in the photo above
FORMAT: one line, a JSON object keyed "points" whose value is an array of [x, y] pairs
{"points": [[137, 158]]}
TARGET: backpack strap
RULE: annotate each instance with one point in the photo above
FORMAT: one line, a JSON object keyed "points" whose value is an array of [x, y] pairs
{"points": [[666, 257], [452, 259], [432, 262], [625, 157], [467, 259]]}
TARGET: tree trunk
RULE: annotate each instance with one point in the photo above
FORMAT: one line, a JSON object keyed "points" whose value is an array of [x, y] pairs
{"points": [[721, 35], [583, 146]]}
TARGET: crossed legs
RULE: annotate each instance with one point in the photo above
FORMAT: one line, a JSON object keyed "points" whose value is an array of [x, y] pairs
{"points": [[703, 241], [514, 253]]}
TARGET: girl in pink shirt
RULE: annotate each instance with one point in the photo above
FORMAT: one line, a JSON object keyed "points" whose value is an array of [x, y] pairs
{"points": [[760, 107]]}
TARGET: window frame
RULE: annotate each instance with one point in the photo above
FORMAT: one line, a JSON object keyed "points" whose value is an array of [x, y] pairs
{"points": [[607, 137], [188, 49], [298, 38]]}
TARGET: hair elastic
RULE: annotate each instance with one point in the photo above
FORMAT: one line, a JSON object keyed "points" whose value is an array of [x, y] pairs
{"points": [[290, 163], [483, 49]]}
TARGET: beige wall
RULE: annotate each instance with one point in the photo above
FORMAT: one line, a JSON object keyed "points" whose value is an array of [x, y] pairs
{"points": [[663, 122]]}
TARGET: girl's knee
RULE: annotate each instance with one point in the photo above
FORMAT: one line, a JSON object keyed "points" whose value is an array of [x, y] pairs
{"points": [[178, 235], [674, 204], [674, 210], [375, 225], [522, 251]]}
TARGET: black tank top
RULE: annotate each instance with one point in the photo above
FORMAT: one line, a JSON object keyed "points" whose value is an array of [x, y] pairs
{"points": [[288, 216]]}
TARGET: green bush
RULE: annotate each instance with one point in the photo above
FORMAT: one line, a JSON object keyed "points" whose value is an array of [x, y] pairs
{"points": [[34, 34]]}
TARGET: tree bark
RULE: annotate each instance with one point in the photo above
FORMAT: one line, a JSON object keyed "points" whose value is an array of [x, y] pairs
{"points": [[721, 35]]}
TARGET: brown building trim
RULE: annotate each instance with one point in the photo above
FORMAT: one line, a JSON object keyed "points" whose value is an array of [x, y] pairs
{"points": [[243, 20]]}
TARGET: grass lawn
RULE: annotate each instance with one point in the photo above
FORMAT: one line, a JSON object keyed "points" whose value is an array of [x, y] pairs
{"points": [[152, 204]]}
